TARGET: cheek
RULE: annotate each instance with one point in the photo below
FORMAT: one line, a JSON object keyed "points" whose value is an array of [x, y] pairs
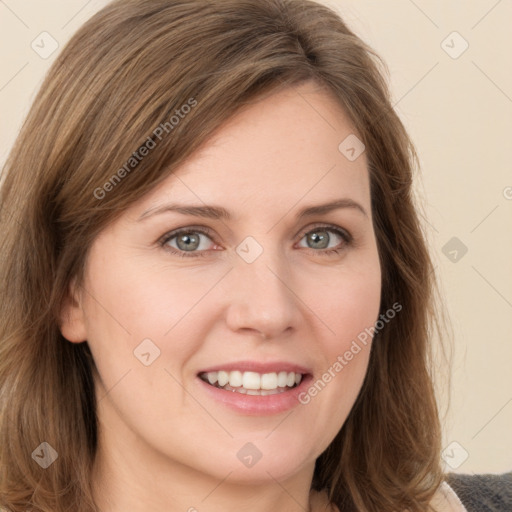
{"points": [[348, 305], [133, 298], [131, 302]]}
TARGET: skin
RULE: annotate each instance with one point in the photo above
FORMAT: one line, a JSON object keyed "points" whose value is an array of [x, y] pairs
{"points": [[165, 445]]}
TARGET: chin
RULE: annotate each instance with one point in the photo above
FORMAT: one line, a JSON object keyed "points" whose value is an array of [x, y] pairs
{"points": [[260, 461]]}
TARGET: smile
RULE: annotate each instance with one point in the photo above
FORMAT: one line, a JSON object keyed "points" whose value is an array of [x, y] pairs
{"points": [[252, 383]]}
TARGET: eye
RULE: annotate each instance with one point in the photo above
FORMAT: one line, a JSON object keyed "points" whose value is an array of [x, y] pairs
{"points": [[192, 241], [187, 240], [321, 236]]}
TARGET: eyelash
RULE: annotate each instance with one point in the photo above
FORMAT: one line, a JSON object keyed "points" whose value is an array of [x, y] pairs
{"points": [[345, 235]]}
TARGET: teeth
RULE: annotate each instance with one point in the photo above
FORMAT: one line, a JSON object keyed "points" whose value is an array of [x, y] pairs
{"points": [[235, 379], [282, 379], [223, 378], [268, 381], [253, 383]]}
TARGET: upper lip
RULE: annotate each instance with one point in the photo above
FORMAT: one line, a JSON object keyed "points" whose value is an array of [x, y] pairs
{"points": [[259, 367]]}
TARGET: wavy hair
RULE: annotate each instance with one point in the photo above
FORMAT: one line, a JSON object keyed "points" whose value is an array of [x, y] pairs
{"points": [[124, 73]]}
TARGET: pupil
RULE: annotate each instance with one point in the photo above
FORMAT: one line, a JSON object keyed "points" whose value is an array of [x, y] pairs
{"points": [[188, 241], [322, 240]]}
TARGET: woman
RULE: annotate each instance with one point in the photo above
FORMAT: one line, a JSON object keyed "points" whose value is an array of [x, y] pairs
{"points": [[217, 292]]}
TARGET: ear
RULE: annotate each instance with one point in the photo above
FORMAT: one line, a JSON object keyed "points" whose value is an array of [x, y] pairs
{"points": [[72, 318]]}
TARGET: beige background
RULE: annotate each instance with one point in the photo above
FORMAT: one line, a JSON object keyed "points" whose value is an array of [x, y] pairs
{"points": [[458, 109]]}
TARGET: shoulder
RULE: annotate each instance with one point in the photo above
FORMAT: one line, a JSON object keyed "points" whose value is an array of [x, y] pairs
{"points": [[483, 492], [446, 500], [458, 493]]}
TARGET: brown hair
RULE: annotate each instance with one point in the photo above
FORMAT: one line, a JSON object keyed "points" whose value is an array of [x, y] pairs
{"points": [[124, 73]]}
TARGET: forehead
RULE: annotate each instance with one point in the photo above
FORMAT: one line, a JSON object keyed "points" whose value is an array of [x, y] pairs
{"points": [[280, 150]]}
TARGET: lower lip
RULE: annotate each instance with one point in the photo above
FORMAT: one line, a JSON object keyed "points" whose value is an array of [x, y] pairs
{"points": [[258, 405]]}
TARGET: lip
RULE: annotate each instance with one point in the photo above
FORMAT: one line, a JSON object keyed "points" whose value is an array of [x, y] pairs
{"points": [[258, 367], [257, 405]]}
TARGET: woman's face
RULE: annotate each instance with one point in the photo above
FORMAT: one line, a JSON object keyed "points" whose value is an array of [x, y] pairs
{"points": [[259, 254]]}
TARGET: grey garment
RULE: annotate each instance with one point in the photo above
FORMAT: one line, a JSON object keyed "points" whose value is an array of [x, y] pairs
{"points": [[483, 493]]}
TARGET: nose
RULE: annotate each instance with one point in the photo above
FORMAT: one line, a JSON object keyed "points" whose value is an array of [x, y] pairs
{"points": [[261, 299]]}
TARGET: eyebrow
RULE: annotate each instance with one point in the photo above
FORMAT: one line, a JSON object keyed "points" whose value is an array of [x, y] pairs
{"points": [[218, 212]]}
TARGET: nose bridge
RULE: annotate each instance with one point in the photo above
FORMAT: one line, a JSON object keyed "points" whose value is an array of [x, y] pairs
{"points": [[262, 298]]}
